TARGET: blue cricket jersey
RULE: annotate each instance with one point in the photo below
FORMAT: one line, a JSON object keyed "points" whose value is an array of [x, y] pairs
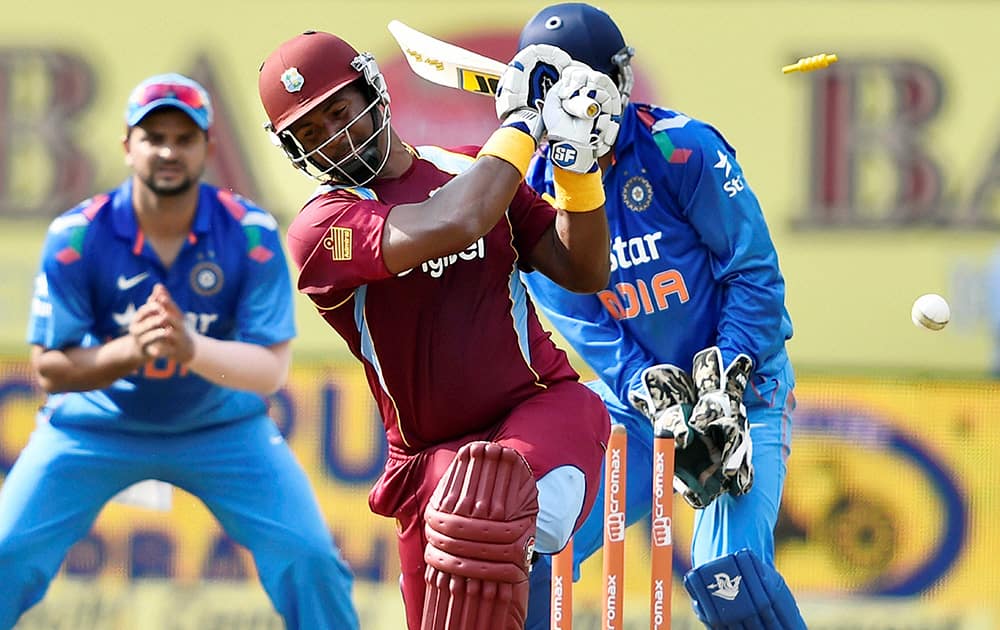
{"points": [[230, 279], [692, 262]]}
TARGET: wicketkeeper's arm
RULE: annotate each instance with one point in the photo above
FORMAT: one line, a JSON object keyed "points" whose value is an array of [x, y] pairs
{"points": [[728, 219]]}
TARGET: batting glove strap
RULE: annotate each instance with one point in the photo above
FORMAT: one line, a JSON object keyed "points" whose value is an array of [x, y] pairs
{"points": [[578, 192], [512, 145], [572, 140], [526, 120]]}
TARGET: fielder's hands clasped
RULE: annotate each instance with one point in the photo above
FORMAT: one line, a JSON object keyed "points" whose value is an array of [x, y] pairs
{"points": [[708, 420], [159, 329], [666, 396]]}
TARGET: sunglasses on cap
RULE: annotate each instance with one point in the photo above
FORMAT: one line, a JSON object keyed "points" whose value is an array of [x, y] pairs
{"points": [[187, 94], [170, 90]]}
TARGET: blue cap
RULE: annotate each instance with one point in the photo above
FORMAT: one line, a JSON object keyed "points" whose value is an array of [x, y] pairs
{"points": [[586, 33], [169, 90]]}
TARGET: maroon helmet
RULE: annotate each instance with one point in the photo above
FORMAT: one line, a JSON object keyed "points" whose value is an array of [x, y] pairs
{"points": [[303, 73]]}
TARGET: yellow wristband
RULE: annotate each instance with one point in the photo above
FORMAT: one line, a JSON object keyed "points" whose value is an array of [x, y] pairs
{"points": [[512, 146], [578, 192]]}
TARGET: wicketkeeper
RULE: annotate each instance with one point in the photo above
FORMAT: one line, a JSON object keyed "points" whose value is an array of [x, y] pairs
{"points": [[690, 332]]}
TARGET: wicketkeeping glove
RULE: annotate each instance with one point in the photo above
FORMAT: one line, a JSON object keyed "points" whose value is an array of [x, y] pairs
{"points": [[721, 415], [666, 397], [698, 472], [528, 76]]}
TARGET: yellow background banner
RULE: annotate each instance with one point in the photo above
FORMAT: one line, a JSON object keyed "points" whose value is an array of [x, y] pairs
{"points": [[917, 79], [891, 501]]}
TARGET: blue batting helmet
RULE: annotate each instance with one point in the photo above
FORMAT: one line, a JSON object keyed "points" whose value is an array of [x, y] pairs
{"points": [[587, 33]]}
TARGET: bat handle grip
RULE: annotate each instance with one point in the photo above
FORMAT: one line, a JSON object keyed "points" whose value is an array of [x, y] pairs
{"points": [[582, 107]]}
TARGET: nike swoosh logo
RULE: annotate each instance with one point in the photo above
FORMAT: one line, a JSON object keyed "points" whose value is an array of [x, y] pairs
{"points": [[124, 284]]}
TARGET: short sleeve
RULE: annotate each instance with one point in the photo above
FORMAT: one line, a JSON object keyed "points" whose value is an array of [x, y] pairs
{"points": [[530, 217], [336, 244], [61, 311], [266, 312]]}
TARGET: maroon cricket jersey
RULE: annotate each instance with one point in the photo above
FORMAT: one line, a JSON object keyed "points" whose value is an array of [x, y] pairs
{"points": [[450, 346]]}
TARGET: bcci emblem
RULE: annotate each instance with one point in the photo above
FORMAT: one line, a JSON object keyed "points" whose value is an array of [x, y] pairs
{"points": [[292, 80], [637, 193], [206, 278]]}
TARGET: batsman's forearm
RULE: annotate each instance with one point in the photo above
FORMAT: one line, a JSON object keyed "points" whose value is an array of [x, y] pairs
{"points": [[241, 365], [585, 243], [456, 215]]}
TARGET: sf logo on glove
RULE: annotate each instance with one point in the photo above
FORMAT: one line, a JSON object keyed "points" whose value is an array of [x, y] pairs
{"points": [[563, 154]]}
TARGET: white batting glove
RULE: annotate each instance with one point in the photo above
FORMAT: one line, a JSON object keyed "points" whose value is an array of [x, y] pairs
{"points": [[580, 82], [528, 76], [572, 138], [528, 121]]}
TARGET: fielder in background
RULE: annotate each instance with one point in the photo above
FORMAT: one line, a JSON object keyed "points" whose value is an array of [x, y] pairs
{"points": [[161, 318], [695, 291], [414, 255]]}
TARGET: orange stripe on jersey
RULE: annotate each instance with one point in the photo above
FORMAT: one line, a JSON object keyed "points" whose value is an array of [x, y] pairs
{"points": [[234, 207], [96, 203]]}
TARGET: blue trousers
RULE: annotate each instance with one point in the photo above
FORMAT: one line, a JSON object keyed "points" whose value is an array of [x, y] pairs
{"points": [[727, 525], [245, 474]]}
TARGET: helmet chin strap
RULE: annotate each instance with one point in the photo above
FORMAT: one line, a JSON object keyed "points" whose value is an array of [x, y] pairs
{"points": [[623, 61]]}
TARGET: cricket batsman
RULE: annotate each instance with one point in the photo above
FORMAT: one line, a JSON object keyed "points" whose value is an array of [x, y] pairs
{"points": [[414, 256]]}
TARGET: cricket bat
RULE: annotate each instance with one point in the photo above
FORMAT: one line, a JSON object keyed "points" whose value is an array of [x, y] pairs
{"points": [[455, 67]]}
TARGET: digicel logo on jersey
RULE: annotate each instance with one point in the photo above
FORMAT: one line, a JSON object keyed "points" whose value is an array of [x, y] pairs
{"points": [[435, 268]]}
